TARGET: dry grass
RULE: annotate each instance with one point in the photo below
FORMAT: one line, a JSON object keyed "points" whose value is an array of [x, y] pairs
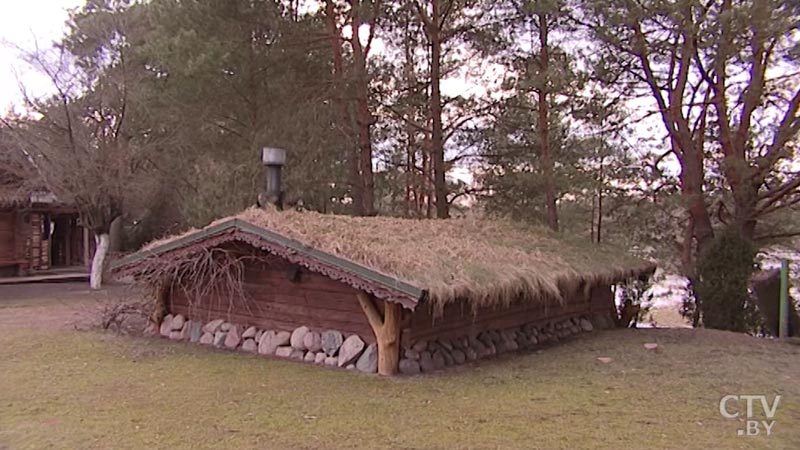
{"points": [[485, 261], [62, 388], [67, 389]]}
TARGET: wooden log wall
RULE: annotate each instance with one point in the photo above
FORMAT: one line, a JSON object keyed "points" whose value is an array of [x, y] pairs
{"points": [[458, 319], [283, 296], [7, 236], [602, 301], [39, 243], [76, 243], [22, 234]]}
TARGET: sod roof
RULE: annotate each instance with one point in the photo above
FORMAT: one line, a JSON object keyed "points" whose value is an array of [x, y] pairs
{"points": [[481, 261]]}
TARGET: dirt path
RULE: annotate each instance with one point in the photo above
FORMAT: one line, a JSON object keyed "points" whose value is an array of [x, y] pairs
{"points": [[57, 304]]}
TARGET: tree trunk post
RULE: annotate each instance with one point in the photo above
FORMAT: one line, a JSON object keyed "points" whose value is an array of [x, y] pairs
{"points": [[387, 331], [437, 131], [543, 127], [161, 295]]}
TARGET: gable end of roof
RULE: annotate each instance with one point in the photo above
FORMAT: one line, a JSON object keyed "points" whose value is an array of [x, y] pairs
{"points": [[358, 276]]}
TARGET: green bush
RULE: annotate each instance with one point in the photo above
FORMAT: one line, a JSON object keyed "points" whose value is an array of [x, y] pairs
{"points": [[721, 284]]}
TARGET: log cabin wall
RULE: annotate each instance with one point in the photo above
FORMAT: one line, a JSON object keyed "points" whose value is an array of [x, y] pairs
{"points": [[76, 244], [66, 241], [22, 233], [459, 320], [7, 236], [282, 296], [39, 247], [8, 243], [26, 245], [602, 301]]}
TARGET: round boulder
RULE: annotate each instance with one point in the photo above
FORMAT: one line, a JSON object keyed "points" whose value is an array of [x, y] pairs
{"points": [[331, 341], [438, 360], [297, 338], [249, 345], [207, 339], [219, 338], [249, 333], [284, 352], [426, 362], [234, 337], [312, 341], [195, 330], [411, 354], [166, 325], [177, 322], [368, 361], [271, 340], [350, 350], [213, 326], [409, 367], [459, 357]]}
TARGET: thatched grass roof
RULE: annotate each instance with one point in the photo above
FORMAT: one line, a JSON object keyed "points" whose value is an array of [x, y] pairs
{"points": [[482, 261], [10, 197], [11, 194]]}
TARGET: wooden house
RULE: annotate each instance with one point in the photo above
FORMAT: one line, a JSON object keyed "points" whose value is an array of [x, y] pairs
{"points": [[422, 294], [38, 233]]}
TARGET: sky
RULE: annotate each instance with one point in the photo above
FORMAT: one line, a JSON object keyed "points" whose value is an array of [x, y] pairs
{"points": [[22, 25]]}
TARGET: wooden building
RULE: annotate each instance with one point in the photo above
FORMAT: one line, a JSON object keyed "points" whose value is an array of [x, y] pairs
{"points": [[405, 287], [38, 233]]}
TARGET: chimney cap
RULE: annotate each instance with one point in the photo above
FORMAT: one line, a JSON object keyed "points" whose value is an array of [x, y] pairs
{"points": [[272, 156]]}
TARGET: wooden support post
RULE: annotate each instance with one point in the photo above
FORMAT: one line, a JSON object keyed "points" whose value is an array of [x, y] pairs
{"points": [[161, 297], [387, 331], [67, 239]]}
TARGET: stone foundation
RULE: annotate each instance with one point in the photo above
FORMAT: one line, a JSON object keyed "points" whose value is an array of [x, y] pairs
{"points": [[332, 348], [429, 356]]}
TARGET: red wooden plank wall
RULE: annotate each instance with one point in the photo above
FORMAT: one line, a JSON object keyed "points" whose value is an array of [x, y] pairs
{"points": [[278, 303], [7, 240], [458, 319]]}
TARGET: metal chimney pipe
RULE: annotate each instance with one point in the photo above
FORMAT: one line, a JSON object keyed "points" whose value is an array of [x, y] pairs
{"points": [[274, 159]]}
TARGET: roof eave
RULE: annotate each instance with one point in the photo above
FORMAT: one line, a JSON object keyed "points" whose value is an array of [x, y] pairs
{"points": [[414, 294]]}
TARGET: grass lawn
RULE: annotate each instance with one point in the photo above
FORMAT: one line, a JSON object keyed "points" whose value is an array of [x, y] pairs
{"points": [[63, 388]]}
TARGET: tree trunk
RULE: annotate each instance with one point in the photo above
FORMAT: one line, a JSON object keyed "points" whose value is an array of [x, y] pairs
{"points": [[387, 331], [745, 198], [115, 235], [412, 191], [363, 116], [600, 210], [411, 170], [344, 114], [543, 126], [437, 133], [98, 262], [691, 177], [425, 182]]}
